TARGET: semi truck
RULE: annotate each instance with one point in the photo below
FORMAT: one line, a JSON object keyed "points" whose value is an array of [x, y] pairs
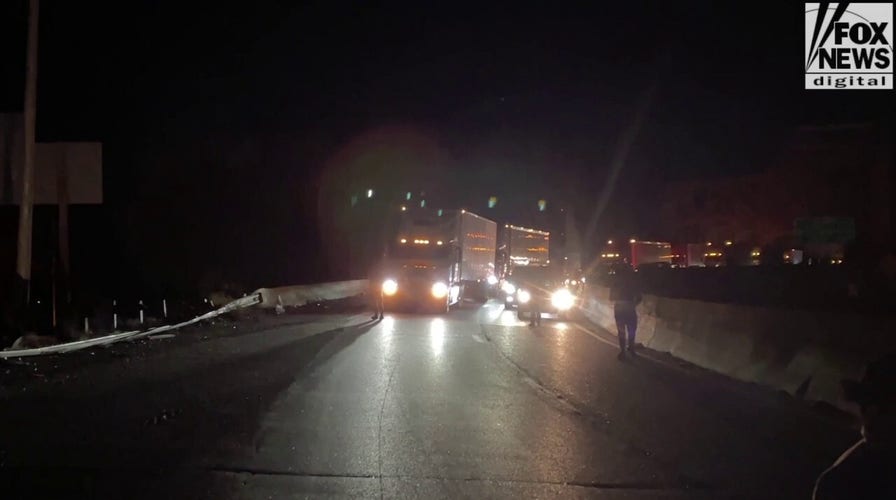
{"points": [[523, 246], [650, 253], [689, 255], [433, 259]]}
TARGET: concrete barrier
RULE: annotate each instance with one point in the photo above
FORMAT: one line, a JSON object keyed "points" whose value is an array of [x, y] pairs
{"points": [[804, 353], [296, 296]]}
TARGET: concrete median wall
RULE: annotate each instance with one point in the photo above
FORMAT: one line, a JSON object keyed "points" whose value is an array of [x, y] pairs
{"points": [[805, 353], [297, 296]]}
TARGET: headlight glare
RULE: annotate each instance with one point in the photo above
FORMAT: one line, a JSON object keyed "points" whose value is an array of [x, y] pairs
{"points": [[563, 299], [390, 287], [523, 296], [439, 290]]}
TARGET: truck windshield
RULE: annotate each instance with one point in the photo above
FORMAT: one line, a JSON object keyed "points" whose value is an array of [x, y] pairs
{"points": [[418, 251]]}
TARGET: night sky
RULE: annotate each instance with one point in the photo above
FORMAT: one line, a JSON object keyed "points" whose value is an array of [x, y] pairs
{"points": [[219, 120]]}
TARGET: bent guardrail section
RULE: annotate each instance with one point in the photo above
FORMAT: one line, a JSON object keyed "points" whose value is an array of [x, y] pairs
{"points": [[77, 345], [266, 298]]}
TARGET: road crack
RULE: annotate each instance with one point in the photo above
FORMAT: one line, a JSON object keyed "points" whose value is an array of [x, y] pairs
{"points": [[379, 439]]}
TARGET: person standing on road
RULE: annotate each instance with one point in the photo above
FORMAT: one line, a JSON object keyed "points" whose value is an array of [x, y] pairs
{"points": [[625, 297], [536, 292], [537, 299], [866, 469], [375, 288]]}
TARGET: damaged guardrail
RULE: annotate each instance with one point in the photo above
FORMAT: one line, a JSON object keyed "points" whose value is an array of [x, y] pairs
{"points": [[77, 345]]}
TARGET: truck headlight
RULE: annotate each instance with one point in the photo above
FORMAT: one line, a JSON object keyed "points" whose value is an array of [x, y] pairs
{"points": [[508, 288], [523, 296], [492, 280], [563, 299], [390, 287], [439, 290]]}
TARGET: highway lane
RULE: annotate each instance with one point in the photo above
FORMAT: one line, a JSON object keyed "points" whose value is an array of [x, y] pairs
{"points": [[470, 404]]}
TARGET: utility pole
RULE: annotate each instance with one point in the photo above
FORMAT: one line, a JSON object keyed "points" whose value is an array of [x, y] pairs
{"points": [[26, 211]]}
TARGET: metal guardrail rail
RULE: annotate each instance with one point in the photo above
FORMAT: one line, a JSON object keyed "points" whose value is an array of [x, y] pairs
{"points": [[78, 345]]}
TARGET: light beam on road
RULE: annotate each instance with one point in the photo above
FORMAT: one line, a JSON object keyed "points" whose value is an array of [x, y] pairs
{"points": [[437, 335]]}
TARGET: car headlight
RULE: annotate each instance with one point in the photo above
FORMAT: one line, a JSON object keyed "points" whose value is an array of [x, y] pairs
{"points": [[439, 290], [508, 288], [563, 299], [523, 296], [492, 280], [390, 286]]}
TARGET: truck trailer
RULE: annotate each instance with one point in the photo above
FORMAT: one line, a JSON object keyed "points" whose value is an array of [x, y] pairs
{"points": [[689, 255], [650, 253], [523, 246], [435, 258]]}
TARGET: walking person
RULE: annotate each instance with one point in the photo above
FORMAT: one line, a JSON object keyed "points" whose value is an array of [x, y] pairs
{"points": [[535, 319], [625, 297], [865, 470], [375, 288]]}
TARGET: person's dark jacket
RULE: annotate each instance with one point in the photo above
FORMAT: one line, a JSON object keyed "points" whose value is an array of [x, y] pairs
{"points": [[624, 294]]}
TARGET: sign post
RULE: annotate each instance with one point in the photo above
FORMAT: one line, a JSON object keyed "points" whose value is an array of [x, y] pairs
{"points": [[26, 210]]}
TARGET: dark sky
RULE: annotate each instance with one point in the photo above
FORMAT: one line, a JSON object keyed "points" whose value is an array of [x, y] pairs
{"points": [[172, 89]]}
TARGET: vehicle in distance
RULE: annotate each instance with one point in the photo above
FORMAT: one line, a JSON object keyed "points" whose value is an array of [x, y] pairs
{"points": [[521, 247], [651, 254], [436, 256], [543, 286]]}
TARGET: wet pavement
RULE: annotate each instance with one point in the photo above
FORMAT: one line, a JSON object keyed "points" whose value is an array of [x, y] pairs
{"points": [[472, 404]]}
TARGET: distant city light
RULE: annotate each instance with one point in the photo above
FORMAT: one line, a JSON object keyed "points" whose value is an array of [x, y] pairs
{"points": [[370, 193], [609, 242], [632, 240], [354, 200], [403, 208], [709, 243], [728, 243], [440, 212], [422, 203], [542, 204], [407, 196], [492, 201]]}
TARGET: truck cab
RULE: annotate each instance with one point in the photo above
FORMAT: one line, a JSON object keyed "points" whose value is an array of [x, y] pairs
{"points": [[421, 266], [433, 257]]}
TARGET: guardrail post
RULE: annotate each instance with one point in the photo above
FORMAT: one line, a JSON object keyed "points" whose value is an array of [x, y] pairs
{"points": [[86, 325], [114, 315], [140, 305], [164, 308]]}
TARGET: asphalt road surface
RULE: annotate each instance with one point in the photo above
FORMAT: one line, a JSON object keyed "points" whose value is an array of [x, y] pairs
{"points": [[472, 404]]}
